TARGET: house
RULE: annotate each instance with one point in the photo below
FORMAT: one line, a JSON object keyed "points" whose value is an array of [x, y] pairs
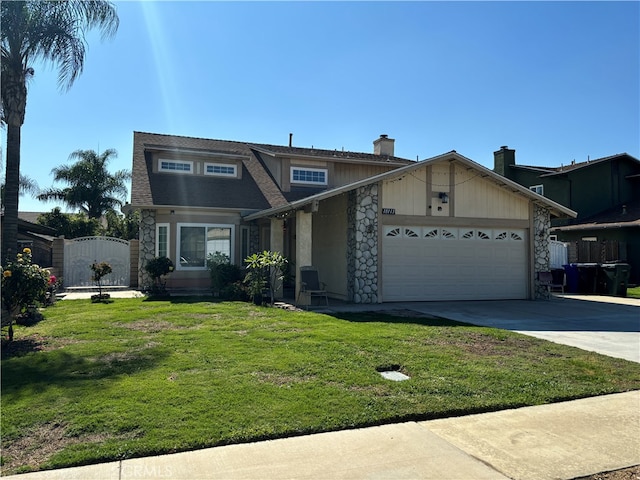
{"points": [[379, 228], [38, 238], [605, 193]]}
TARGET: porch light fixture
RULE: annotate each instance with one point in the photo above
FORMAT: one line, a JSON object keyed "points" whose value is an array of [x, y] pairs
{"points": [[444, 198]]}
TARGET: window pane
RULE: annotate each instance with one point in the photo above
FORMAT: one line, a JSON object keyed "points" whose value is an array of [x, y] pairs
{"points": [[163, 239], [219, 241], [192, 247]]}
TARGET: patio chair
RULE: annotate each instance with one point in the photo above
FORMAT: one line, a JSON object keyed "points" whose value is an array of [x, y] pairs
{"points": [[310, 285], [546, 279]]}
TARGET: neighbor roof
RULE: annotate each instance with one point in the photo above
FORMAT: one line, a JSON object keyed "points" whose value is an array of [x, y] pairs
{"points": [[621, 216], [552, 171], [557, 209]]}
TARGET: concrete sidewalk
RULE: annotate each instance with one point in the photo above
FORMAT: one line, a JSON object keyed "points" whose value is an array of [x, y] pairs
{"points": [[557, 441]]}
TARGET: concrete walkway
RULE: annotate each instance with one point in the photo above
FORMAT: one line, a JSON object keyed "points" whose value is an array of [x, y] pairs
{"points": [[558, 441]]}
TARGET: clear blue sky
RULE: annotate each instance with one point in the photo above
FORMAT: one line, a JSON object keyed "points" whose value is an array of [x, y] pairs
{"points": [[557, 81]]}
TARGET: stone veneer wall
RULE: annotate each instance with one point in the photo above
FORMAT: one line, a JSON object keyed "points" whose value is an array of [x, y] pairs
{"points": [[147, 245], [362, 247], [541, 223]]}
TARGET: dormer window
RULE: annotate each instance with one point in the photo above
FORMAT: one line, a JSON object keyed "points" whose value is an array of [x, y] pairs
{"points": [[221, 169], [309, 176], [175, 166]]}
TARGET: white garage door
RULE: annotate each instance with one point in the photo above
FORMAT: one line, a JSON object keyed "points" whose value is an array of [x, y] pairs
{"points": [[442, 263]]}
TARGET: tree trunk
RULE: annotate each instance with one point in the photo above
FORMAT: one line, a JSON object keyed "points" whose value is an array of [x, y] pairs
{"points": [[11, 194]]}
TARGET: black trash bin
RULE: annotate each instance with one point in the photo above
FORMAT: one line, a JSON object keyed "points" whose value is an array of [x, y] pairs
{"points": [[614, 278], [587, 277]]}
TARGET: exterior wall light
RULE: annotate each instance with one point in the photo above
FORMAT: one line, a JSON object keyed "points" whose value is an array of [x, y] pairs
{"points": [[444, 198]]}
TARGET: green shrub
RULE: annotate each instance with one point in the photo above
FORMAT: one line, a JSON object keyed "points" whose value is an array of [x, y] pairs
{"points": [[224, 276], [158, 268]]}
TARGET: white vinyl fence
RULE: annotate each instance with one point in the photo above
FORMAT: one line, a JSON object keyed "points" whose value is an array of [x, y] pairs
{"points": [[558, 254], [80, 253]]}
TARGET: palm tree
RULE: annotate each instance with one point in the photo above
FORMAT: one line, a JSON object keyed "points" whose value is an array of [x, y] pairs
{"points": [[37, 30], [26, 185], [91, 188]]}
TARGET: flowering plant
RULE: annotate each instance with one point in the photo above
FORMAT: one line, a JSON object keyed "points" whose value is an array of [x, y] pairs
{"points": [[23, 284]]}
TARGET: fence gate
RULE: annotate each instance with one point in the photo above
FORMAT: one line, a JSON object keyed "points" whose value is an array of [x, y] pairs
{"points": [[559, 254], [80, 253]]}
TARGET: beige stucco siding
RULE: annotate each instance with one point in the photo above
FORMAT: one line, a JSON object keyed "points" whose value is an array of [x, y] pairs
{"points": [[330, 245]]}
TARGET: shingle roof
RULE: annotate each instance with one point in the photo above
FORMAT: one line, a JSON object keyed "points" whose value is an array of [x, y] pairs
{"points": [[621, 216], [322, 153], [551, 171], [256, 190]]}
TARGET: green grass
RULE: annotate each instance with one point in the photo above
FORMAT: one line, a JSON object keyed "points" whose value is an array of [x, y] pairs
{"points": [[100, 382], [633, 292]]}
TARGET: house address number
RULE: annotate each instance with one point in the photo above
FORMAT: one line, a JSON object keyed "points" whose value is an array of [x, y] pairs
{"points": [[388, 211]]}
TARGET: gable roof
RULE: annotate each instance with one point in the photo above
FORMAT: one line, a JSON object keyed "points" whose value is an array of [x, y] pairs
{"points": [[555, 208]]}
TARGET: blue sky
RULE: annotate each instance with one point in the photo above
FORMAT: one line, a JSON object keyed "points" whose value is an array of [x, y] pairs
{"points": [[556, 81]]}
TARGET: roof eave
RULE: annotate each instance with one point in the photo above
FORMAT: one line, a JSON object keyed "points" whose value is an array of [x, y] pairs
{"points": [[558, 210]]}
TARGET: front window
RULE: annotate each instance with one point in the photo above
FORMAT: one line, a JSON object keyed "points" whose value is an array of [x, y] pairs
{"points": [[197, 241], [313, 176]]}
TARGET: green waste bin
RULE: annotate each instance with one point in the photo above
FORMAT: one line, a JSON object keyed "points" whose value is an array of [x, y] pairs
{"points": [[614, 278]]}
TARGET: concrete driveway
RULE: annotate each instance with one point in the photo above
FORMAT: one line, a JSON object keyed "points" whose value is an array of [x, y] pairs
{"points": [[607, 325]]}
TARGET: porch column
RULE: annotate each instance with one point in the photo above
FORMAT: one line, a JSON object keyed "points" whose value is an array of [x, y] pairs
{"points": [[276, 239], [276, 242], [304, 230]]}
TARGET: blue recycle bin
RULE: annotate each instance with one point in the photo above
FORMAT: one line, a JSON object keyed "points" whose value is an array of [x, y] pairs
{"points": [[572, 277]]}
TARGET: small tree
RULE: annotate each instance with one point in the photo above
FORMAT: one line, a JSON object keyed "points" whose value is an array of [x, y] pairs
{"points": [[100, 270], [265, 269], [158, 268], [23, 284]]}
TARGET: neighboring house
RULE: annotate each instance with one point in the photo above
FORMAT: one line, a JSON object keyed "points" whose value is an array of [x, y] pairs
{"points": [[38, 238], [605, 193], [378, 228]]}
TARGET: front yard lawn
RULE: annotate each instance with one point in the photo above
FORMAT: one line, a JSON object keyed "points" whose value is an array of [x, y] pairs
{"points": [[633, 292], [100, 382]]}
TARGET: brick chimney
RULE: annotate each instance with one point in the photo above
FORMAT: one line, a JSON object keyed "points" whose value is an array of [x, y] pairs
{"points": [[383, 146], [502, 160]]}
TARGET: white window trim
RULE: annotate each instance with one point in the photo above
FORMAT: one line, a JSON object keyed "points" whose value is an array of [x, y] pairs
{"points": [[535, 188], [183, 162], [228, 165], [203, 225], [306, 169], [158, 226]]}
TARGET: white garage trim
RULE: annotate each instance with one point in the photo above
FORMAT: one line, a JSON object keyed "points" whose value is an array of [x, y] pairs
{"points": [[453, 263]]}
